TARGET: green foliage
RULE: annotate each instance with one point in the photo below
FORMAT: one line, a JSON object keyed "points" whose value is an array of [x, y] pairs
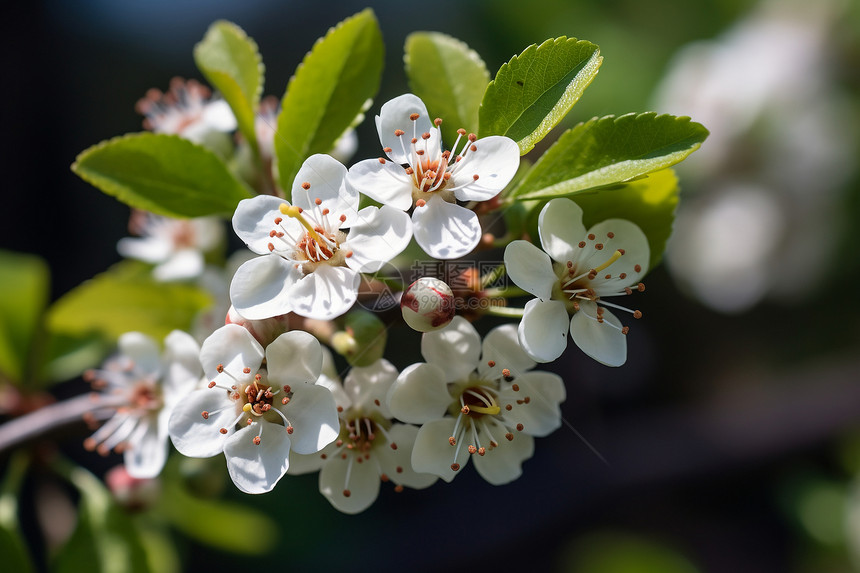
{"points": [[105, 539], [328, 91], [608, 151], [123, 299], [649, 202], [449, 77], [67, 356], [230, 61], [12, 548], [535, 90], [161, 173], [214, 521], [23, 296], [362, 342], [616, 552]]}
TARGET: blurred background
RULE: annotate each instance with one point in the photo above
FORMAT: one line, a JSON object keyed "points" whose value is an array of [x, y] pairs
{"points": [[730, 441]]}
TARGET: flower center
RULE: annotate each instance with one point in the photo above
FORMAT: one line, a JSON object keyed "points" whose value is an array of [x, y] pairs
{"points": [[318, 242], [358, 435]]}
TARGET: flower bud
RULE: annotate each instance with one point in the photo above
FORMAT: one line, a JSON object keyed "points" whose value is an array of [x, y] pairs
{"points": [[428, 304], [362, 341]]}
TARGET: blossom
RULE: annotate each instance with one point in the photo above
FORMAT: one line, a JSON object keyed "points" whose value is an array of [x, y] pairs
{"points": [[175, 246], [256, 414], [606, 260], [475, 398], [187, 110], [420, 174], [310, 266], [370, 448], [143, 387]]}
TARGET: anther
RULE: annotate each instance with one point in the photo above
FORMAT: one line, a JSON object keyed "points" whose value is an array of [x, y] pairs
{"points": [[437, 122], [475, 177], [278, 220], [461, 131], [383, 477], [343, 218], [290, 429], [472, 137], [599, 246], [246, 370], [271, 247], [414, 116], [465, 410], [640, 287], [386, 149], [515, 387], [622, 276], [638, 268], [625, 330], [610, 234], [473, 148], [509, 436], [455, 467], [212, 384], [509, 407], [257, 440], [287, 388], [506, 373], [219, 368], [382, 160], [591, 237], [346, 493], [376, 402], [306, 185], [399, 132], [425, 136], [582, 244], [205, 414], [491, 363], [637, 314], [519, 427], [482, 450], [393, 445], [452, 441], [398, 488], [420, 203], [223, 430], [348, 254], [414, 140], [339, 409], [472, 449], [285, 400]]}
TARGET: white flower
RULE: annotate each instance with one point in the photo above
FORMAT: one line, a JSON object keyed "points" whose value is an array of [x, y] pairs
{"points": [[144, 388], [370, 448], [607, 260], [474, 400], [310, 265], [419, 173], [276, 408], [186, 110], [175, 246]]}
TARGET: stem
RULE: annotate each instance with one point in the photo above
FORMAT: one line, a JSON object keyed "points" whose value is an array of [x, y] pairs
{"points": [[505, 311], [44, 419]]}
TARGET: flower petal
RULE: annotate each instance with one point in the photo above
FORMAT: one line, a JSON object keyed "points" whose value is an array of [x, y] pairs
{"points": [[234, 349], [313, 414], [295, 357], [602, 342], [368, 386], [353, 474], [543, 329], [397, 463], [146, 249], [261, 287], [327, 178], [308, 463], [182, 265], [434, 454], [420, 394], [195, 436], [561, 230], [445, 230], [326, 293], [257, 468], [254, 219], [627, 237], [495, 163], [142, 350], [503, 464], [218, 115], [379, 235], [530, 269], [386, 182], [145, 456], [395, 115], [502, 347], [541, 415], [456, 349], [182, 355]]}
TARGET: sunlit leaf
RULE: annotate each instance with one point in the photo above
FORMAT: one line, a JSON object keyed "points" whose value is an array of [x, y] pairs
{"points": [[161, 173], [126, 298], [608, 151], [231, 62], [449, 77], [534, 91], [328, 91]]}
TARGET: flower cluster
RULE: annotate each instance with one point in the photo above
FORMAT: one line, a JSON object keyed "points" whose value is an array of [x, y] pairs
{"points": [[272, 401]]}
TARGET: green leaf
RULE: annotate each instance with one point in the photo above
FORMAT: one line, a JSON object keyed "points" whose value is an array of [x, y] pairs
{"points": [[648, 202], [161, 173], [126, 298], [449, 77], [213, 522], [231, 62], [535, 90], [328, 91], [66, 357], [105, 539], [12, 547], [610, 150], [23, 297]]}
